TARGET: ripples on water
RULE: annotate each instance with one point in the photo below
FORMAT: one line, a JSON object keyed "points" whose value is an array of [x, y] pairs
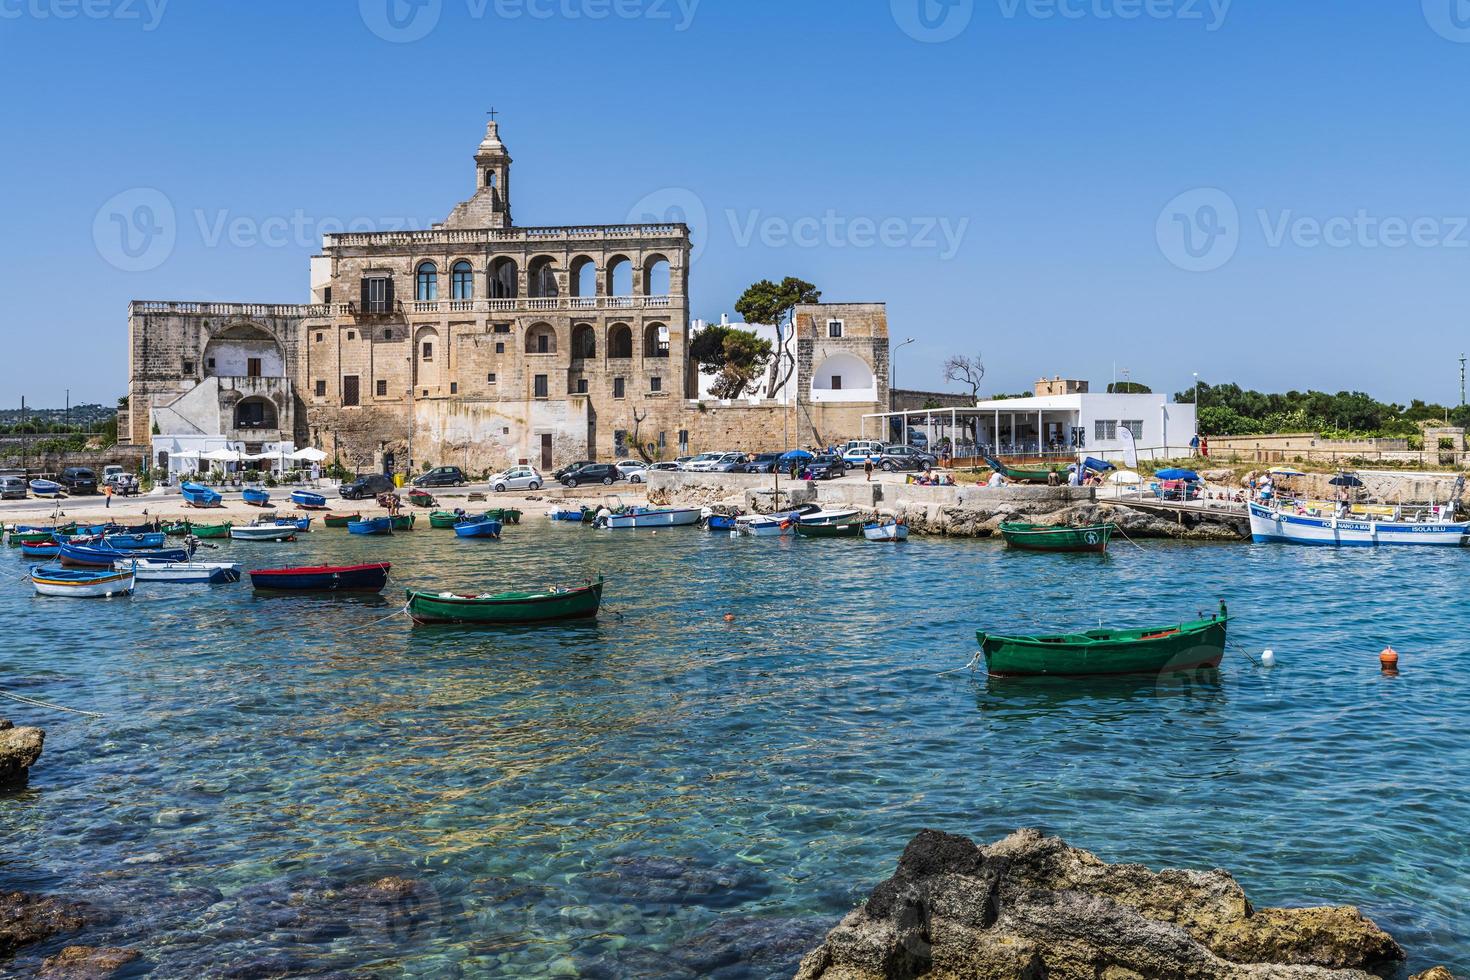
{"points": [[657, 792]]}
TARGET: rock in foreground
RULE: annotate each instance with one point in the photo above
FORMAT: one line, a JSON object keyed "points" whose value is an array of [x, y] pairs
{"points": [[1031, 907], [19, 750]]}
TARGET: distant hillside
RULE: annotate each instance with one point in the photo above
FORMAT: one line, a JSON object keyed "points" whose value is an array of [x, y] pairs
{"points": [[90, 417]]}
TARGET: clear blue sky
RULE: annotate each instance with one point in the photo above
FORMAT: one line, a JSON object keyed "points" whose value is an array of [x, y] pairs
{"points": [[1048, 137]]}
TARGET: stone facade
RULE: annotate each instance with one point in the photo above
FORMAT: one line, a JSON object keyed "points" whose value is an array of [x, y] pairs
{"points": [[480, 343]]}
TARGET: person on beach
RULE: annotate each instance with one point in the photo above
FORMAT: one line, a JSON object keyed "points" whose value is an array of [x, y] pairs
{"points": [[107, 496], [868, 468]]}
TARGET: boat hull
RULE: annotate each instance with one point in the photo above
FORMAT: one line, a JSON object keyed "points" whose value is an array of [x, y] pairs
{"points": [[1270, 526], [847, 529], [1187, 646], [478, 529], [308, 501], [327, 578], [1036, 537], [340, 520], [47, 490], [427, 608], [269, 532], [257, 497], [198, 495], [371, 526], [886, 532], [136, 542], [639, 521], [299, 523], [212, 573], [52, 581], [403, 522]]}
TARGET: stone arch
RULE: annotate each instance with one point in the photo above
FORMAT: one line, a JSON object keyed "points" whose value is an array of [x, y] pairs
{"points": [[843, 377], [504, 278], [428, 357], [244, 350], [657, 275], [619, 340], [584, 342], [583, 276], [426, 281], [541, 339], [462, 280], [255, 412], [541, 277], [619, 276], [655, 340]]}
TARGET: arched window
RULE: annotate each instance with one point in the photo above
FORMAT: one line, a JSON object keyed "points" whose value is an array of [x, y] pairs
{"points": [[619, 341], [541, 339], [655, 340], [656, 276], [584, 342], [461, 281], [426, 282], [620, 276], [504, 279], [584, 276], [542, 273]]}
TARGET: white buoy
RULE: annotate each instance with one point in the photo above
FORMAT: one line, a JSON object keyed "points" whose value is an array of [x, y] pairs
{"points": [[1268, 658]]}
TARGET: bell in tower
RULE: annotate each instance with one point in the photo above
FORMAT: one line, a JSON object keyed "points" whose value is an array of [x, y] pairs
{"points": [[490, 205]]}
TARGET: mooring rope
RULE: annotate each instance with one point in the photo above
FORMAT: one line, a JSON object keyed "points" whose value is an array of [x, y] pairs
{"points": [[1130, 540], [44, 704], [974, 661], [380, 622]]}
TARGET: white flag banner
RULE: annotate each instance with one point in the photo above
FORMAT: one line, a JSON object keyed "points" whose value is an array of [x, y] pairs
{"points": [[1130, 448]]}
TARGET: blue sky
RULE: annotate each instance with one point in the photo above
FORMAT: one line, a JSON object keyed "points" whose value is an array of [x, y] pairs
{"points": [[1272, 193]]}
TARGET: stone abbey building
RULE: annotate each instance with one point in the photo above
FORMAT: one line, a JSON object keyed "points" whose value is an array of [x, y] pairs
{"points": [[479, 343]]}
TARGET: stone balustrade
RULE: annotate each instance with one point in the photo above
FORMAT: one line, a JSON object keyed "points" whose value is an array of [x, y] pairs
{"points": [[491, 236]]}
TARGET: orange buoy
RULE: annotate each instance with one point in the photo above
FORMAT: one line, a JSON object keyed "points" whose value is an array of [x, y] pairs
{"points": [[1389, 659], [729, 617]]}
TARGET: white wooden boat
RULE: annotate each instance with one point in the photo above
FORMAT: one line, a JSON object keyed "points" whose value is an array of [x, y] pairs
{"points": [[1271, 525], [829, 517], [263, 532], [641, 518], [213, 572], [80, 583], [887, 530], [765, 525]]}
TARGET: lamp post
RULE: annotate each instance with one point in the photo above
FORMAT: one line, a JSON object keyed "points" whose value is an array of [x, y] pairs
{"points": [[893, 367], [1197, 394]]}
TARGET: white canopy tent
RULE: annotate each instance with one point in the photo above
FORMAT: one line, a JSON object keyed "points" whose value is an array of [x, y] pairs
{"points": [[309, 455]]}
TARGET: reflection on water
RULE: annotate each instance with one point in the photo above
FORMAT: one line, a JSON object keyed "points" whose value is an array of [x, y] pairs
{"points": [[311, 784]]}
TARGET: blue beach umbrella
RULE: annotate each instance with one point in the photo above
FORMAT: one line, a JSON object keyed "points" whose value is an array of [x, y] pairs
{"points": [[1189, 476], [795, 455]]}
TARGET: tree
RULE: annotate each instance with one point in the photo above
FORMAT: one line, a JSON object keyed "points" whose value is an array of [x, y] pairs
{"points": [[1128, 388], [767, 302], [734, 356], [966, 370]]}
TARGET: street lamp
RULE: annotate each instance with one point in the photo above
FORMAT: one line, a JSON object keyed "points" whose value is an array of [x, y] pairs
{"points": [[893, 365], [1196, 404]]}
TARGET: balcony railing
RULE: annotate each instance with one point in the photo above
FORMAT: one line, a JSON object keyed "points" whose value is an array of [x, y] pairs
{"points": [[489, 236], [142, 306], [539, 304]]}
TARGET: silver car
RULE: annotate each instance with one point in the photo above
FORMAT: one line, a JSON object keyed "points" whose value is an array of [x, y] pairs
{"points": [[517, 478], [12, 488]]}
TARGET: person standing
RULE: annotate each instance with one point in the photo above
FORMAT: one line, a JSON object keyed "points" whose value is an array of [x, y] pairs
{"points": [[316, 473], [868, 468], [107, 496]]}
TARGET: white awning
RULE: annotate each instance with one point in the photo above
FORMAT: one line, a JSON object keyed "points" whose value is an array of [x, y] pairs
{"points": [[221, 456], [310, 454]]}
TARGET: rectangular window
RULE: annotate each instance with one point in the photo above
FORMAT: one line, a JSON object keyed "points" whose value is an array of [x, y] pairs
{"points": [[655, 383], [543, 343], [377, 294], [1105, 429], [1135, 426], [490, 378], [252, 367], [661, 442], [382, 388], [349, 390], [836, 382], [543, 390], [834, 328], [500, 348], [320, 337], [208, 364], [387, 334], [502, 328], [683, 442], [428, 350], [454, 387], [352, 335], [581, 386], [321, 388], [618, 386], [189, 367], [327, 295]]}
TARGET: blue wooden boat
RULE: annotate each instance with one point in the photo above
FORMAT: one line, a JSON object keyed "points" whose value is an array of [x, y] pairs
{"points": [[198, 495], [136, 542], [299, 523], [570, 516], [81, 583], [371, 525], [307, 500], [325, 578], [720, 522], [40, 549], [104, 555], [45, 488], [478, 527], [257, 497]]}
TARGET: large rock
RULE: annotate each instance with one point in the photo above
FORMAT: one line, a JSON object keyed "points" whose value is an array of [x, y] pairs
{"points": [[87, 963], [1032, 907], [27, 918], [19, 750]]}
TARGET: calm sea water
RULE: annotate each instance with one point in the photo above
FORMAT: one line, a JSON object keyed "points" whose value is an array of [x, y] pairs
{"points": [[663, 793]]}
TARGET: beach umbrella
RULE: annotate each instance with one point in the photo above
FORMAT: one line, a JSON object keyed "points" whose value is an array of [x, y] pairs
{"points": [[1124, 476], [1345, 480], [795, 455], [221, 456], [1188, 476], [1284, 471], [310, 454]]}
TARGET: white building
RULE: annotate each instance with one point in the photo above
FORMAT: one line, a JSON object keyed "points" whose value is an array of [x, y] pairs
{"points": [[778, 384]]}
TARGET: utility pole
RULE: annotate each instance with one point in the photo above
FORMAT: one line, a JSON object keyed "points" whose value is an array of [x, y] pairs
{"points": [[25, 439], [1462, 380], [68, 408]]}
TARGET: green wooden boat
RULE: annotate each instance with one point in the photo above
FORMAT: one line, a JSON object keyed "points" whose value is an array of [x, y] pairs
{"points": [[178, 530], [211, 530], [838, 529], [18, 538], [443, 519], [1026, 474], [1158, 650], [505, 515], [1040, 537], [339, 520], [506, 608], [403, 522]]}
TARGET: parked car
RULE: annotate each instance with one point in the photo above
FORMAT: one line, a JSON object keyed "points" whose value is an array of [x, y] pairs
{"points": [[826, 467], [855, 457], [633, 470], [704, 462], [109, 471], [517, 478], [12, 488], [442, 476], [727, 463], [905, 458], [665, 466], [604, 473], [684, 461], [78, 479], [123, 484], [568, 468], [367, 486], [763, 463]]}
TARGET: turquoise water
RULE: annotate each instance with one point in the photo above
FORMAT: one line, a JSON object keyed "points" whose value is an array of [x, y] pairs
{"points": [[664, 793]]}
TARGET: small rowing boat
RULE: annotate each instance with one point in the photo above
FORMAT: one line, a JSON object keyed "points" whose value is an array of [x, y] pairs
{"points": [[100, 554], [255, 496], [477, 527], [829, 517], [850, 528], [444, 519], [340, 520], [642, 518], [505, 608], [766, 525], [263, 532], [198, 495], [506, 515], [886, 530], [403, 522], [40, 549], [47, 489], [421, 498], [136, 542], [81, 583], [1040, 537], [1038, 473], [211, 530], [211, 572], [1157, 650], [307, 500], [299, 523], [371, 525], [323, 578]]}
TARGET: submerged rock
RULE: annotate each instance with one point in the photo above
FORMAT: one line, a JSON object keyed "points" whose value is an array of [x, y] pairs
{"points": [[19, 750], [87, 962], [750, 946], [27, 918], [1032, 907]]}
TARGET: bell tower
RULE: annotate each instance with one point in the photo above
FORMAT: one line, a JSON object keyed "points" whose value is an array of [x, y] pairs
{"points": [[489, 207]]}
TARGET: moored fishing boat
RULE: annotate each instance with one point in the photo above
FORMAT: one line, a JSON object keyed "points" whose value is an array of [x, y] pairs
{"points": [[136, 542], [198, 495], [262, 532], [100, 554], [850, 528], [1183, 646], [307, 500], [47, 489], [211, 572], [211, 530], [371, 525], [256, 496], [81, 583], [828, 517], [571, 515], [886, 530], [1269, 524], [641, 518], [477, 527], [766, 525], [506, 515], [18, 538], [718, 522], [444, 519], [177, 530], [1040, 472], [403, 522], [340, 520], [1040, 537], [40, 549], [299, 523], [505, 608], [323, 578]]}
